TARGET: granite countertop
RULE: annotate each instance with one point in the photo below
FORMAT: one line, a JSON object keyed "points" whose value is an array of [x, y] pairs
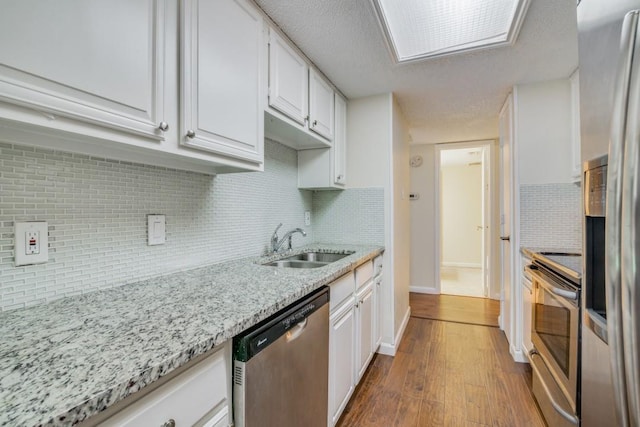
{"points": [[64, 361]]}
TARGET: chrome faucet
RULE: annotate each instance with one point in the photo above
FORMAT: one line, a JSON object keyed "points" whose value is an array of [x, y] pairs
{"points": [[277, 244]]}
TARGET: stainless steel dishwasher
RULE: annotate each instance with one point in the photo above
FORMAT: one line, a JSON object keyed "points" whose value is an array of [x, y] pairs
{"points": [[281, 367]]}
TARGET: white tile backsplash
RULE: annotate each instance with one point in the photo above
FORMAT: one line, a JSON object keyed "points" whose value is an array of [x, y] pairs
{"points": [[551, 216], [97, 212], [354, 215]]}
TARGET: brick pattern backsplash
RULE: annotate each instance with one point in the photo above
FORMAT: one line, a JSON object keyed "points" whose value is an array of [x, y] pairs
{"points": [[551, 216], [354, 215], [97, 208]]}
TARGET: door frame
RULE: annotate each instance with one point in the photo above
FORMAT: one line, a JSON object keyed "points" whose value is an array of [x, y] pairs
{"points": [[488, 203]]}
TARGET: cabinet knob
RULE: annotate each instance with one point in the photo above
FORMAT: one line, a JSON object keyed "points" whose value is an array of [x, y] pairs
{"points": [[191, 134], [163, 126], [170, 423], [315, 123], [340, 178], [306, 119]]}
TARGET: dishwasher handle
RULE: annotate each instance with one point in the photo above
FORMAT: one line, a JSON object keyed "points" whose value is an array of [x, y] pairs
{"points": [[297, 330]]}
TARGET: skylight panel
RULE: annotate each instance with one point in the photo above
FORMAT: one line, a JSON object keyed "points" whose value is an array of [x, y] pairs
{"points": [[417, 29]]}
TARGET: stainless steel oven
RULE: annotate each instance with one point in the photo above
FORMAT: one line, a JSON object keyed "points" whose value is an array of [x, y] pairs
{"points": [[555, 331]]}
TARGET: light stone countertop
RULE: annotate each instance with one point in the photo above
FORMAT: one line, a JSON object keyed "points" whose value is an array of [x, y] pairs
{"points": [[64, 361]]}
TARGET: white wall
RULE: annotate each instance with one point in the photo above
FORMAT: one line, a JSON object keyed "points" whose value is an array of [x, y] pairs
{"points": [[401, 217], [423, 236], [461, 213], [378, 156], [543, 132]]}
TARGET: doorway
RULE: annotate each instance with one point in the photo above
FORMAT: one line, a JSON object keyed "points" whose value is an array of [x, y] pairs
{"points": [[464, 211]]}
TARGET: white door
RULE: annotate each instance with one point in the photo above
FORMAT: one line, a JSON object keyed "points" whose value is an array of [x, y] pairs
{"points": [[221, 78], [341, 359], [340, 142], [288, 80], [321, 106], [364, 305], [98, 61], [506, 140], [486, 215]]}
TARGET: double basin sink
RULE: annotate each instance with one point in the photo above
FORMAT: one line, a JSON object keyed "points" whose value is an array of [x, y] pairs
{"points": [[308, 260]]}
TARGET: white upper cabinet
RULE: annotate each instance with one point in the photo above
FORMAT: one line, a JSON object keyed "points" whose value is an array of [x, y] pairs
{"points": [[340, 142], [99, 62], [320, 106], [325, 168], [288, 80], [299, 102], [222, 78], [134, 81]]}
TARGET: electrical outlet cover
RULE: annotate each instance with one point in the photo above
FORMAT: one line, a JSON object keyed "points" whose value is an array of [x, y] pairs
{"points": [[31, 243]]}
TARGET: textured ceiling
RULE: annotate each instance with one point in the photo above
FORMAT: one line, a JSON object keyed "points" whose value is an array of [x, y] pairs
{"points": [[454, 98]]}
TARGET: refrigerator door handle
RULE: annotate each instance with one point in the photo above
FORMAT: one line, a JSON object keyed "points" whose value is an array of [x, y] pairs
{"points": [[629, 244], [613, 216]]}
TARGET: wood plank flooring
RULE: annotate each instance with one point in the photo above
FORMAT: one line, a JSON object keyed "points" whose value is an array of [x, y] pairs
{"points": [[451, 308], [445, 374]]}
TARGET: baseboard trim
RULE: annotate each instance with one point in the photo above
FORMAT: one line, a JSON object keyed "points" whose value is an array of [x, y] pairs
{"points": [[518, 355], [462, 264], [423, 290], [390, 349]]}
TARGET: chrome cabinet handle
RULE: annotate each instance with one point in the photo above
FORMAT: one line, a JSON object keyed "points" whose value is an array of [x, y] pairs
{"points": [[163, 126], [505, 238], [191, 134], [170, 423]]}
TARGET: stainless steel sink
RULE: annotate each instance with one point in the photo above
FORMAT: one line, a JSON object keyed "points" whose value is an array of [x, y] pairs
{"points": [[294, 263], [308, 260], [319, 256]]}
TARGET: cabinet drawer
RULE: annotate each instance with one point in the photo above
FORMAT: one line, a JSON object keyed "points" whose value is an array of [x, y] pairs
{"points": [[377, 265], [341, 289], [364, 273], [196, 397]]}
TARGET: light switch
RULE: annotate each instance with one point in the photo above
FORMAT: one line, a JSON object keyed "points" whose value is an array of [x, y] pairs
{"points": [[307, 218], [156, 230], [31, 243]]}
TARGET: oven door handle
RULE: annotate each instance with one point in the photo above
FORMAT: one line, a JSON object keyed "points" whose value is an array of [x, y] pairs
{"points": [[544, 282]]}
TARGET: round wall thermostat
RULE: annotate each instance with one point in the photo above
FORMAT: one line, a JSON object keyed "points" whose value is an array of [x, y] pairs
{"points": [[415, 161]]}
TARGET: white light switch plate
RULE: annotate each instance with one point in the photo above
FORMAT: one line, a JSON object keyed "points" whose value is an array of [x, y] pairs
{"points": [[31, 243], [307, 218], [156, 230]]}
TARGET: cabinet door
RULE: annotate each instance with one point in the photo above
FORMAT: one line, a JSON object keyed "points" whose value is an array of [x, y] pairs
{"points": [[364, 334], [340, 142], [288, 80], [199, 396], [377, 312], [221, 78], [527, 311], [341, 359], [321, 106], [99, 62]]}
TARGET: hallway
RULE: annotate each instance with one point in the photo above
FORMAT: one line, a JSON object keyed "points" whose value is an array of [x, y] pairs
{"points": [[445, 374]]}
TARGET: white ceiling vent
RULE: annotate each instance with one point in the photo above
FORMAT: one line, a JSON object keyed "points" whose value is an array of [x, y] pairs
{"points": [[418, 29]]}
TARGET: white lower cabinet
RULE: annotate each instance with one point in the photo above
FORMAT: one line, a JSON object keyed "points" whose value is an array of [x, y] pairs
{"points": [[341, 358], [352, 340], [199, 396], [377, 315], [364, 328], [527, 311]]}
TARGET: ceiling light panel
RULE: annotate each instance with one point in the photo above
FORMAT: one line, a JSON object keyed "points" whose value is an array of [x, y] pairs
{"points": [[424, 28]]}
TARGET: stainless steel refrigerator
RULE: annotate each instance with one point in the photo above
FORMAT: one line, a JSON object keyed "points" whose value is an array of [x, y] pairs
{"points": [[609, 55]]}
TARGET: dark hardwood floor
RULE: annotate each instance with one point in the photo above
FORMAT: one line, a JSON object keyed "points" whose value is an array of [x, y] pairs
{"points": [[450, 308], [445, 374]]}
